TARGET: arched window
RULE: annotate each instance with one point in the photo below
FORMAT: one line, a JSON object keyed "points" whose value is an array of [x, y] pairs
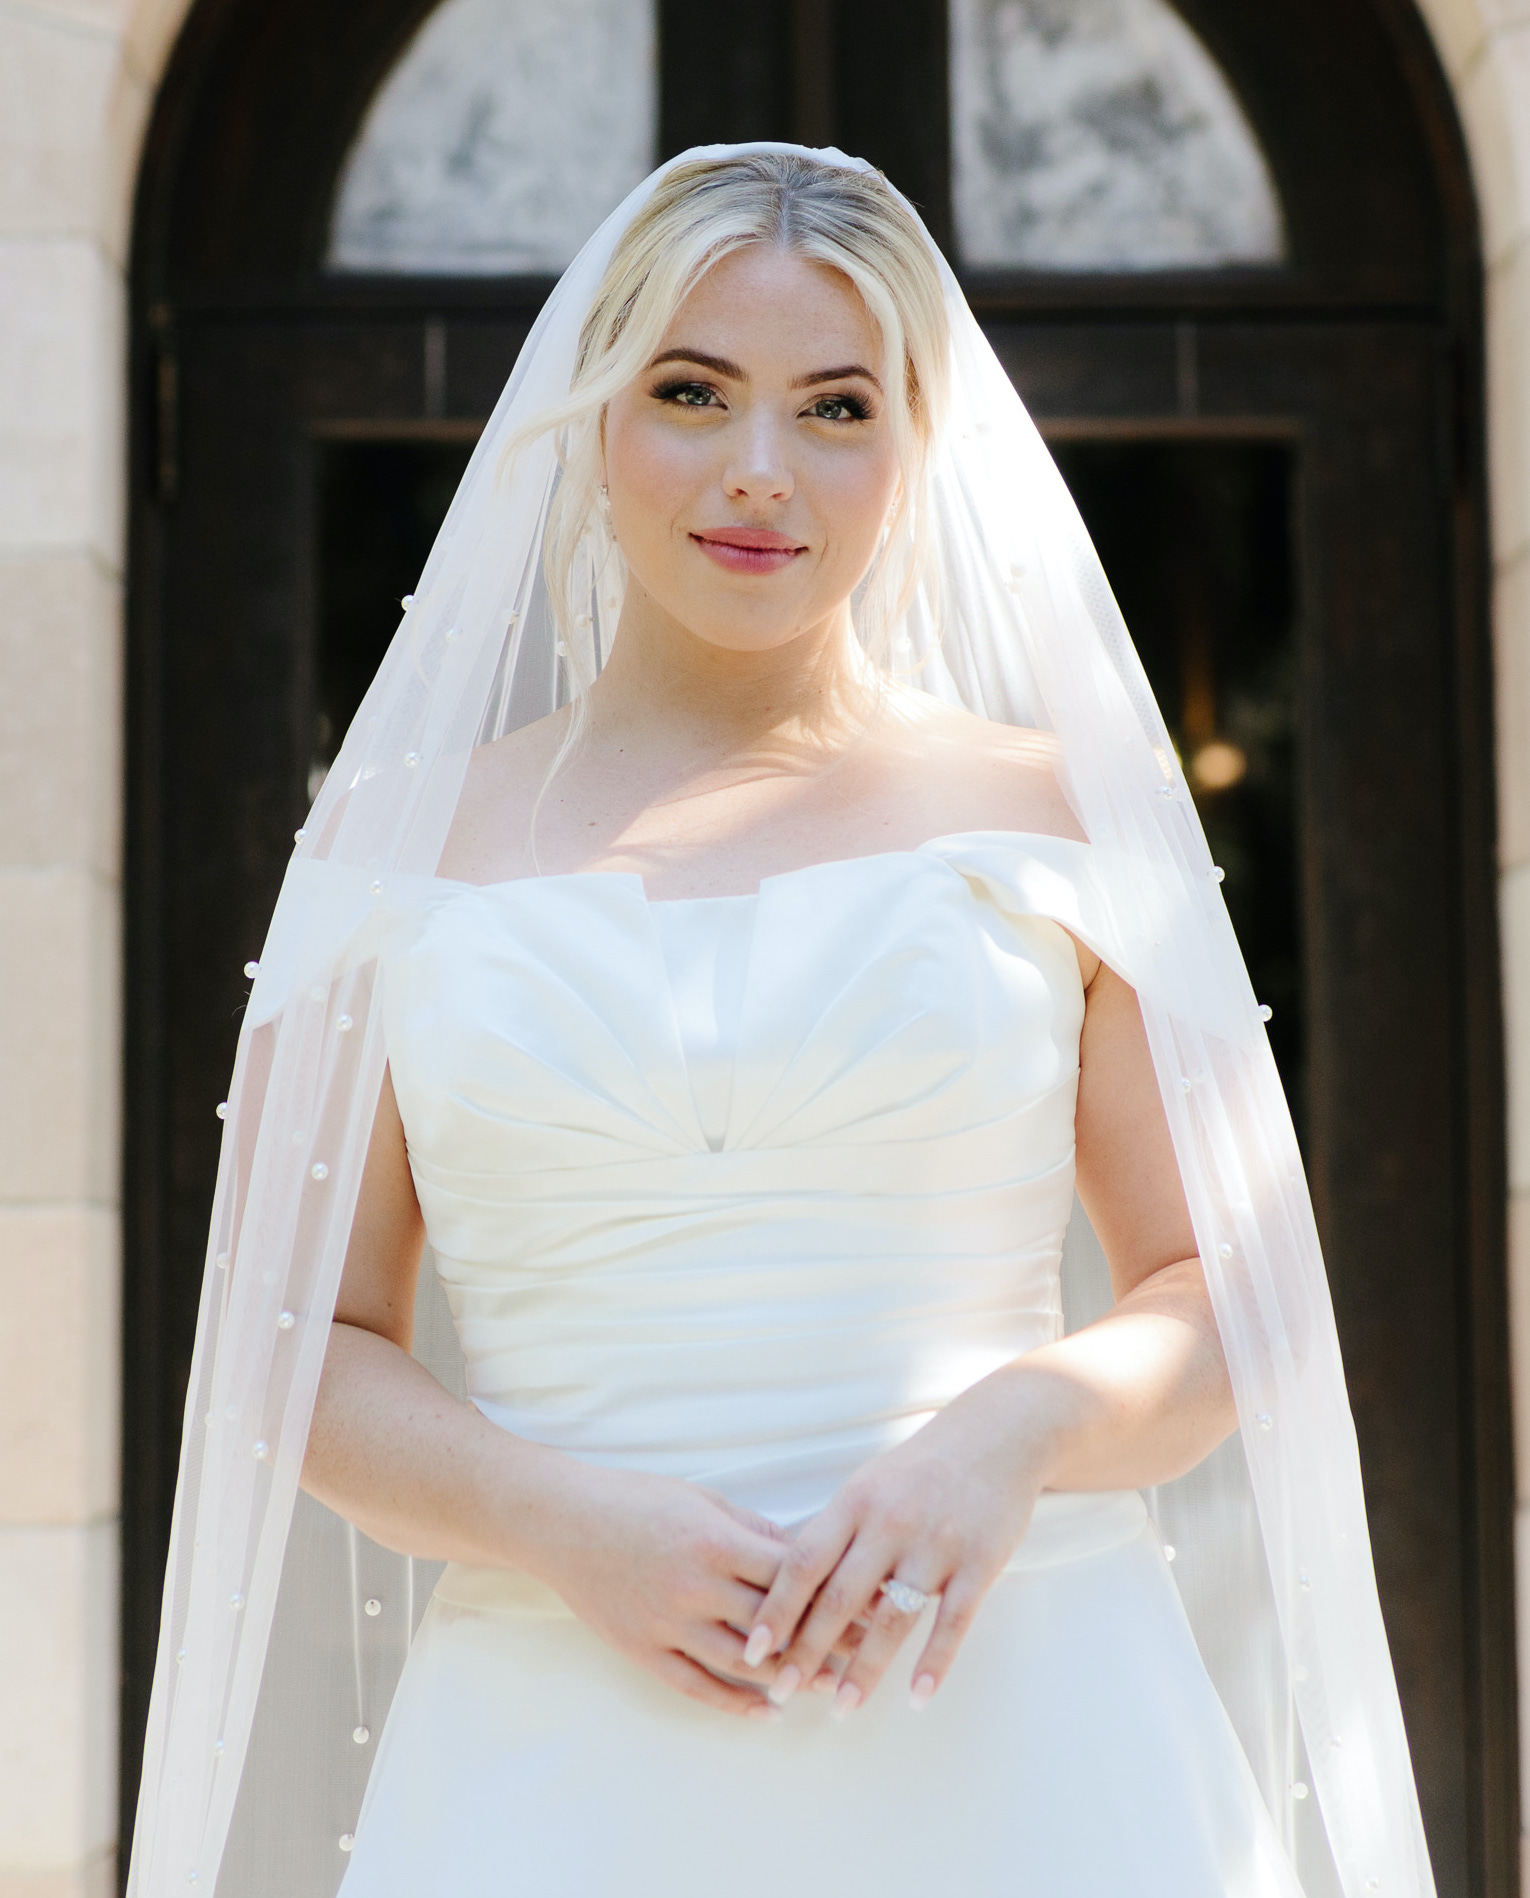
{"points": [[1100, 135], [505, 133]]}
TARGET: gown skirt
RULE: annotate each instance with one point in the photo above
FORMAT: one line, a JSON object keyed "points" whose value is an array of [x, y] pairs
{"points": [[1076, 1750]]}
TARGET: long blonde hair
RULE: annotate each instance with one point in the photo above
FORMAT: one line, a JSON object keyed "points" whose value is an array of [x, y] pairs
{"points": [[700, 213]]}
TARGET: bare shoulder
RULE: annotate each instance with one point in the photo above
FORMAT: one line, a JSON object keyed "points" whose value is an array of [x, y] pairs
{"points": [[501, 777], [992, 776], [995, 777]]}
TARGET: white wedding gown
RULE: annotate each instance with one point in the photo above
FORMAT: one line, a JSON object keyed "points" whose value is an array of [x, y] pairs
{"points": [[743, 1189]]}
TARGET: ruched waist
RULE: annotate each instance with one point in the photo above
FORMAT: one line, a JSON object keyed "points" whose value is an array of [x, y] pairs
{"points": [[763, 1347], [1025, 1147], [1068, 1526]]}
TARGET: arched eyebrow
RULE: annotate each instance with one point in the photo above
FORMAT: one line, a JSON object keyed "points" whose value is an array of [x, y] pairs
{"points": [[719, 365], [841, 374], [732, 372]]}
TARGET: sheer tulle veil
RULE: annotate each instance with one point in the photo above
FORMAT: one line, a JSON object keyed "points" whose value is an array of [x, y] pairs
{"points": [[283, 1631]]}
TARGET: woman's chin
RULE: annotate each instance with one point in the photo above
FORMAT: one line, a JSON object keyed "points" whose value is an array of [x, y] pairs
{"points": [[733, 621], [730, 638]]}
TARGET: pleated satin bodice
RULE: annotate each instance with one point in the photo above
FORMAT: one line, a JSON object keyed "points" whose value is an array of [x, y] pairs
{"points": [[743, 1189]]}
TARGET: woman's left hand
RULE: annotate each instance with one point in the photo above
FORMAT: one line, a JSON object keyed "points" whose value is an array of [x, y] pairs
{"points": [[943, 1513]]}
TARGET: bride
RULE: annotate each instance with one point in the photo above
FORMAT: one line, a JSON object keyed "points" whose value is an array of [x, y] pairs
{"points": [[740, 1030]]}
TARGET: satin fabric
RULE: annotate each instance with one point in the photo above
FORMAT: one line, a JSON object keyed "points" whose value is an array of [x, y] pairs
{"points": [[758, 1286]]}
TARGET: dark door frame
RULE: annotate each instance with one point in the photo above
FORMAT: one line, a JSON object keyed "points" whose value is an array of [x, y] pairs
{"points": [[259, 104]]}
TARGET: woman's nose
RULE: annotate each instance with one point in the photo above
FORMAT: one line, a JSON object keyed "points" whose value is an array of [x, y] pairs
{"points": [[759, 468]]}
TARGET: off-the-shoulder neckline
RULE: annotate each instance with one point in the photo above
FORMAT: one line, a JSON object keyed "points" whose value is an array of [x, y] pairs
{"points": [[932, 846]]}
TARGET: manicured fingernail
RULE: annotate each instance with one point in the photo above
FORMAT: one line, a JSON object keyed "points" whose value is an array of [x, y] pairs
{"points": [[846, 1700], [784, 1685], [757, 1646], [923, 1692], [825, 1683], [764, 1711]]}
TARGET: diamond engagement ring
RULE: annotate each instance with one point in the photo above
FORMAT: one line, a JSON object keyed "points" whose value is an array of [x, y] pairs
{"points": [[907, 1599]]}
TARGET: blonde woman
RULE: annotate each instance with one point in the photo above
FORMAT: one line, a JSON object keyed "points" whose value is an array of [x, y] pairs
{"points": [[765, 1008]]}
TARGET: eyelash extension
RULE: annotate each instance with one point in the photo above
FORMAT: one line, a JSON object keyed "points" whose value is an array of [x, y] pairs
{"points": [[860, 409], [667, 391]]}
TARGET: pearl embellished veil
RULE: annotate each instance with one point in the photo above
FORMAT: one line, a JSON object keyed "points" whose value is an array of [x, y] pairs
{"points": [[283, 1630]]}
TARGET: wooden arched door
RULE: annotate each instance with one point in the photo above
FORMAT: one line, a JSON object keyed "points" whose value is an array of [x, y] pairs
{"points": [[1283, 466]]}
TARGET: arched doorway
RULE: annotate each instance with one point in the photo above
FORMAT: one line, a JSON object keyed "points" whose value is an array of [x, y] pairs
{"points": [[1278, 449]]}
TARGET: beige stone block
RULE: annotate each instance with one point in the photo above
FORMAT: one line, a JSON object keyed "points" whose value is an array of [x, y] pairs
{"points": [[61, 397], [96, 1879], [58, 73], [60, 712], [58, 1696], [1514, 922], [60, 1305], [1458, 29], [122, 136], [110, 18], [1522, 1627], [1494, 101], [107, 408], [151, 28], [1519, 1339], [1508, 403], [1461, 29], [59, 1037], [77, 83], [1511, 666]]}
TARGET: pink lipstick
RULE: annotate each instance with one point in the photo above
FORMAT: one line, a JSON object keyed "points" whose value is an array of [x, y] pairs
{"points": [[748, 549]]}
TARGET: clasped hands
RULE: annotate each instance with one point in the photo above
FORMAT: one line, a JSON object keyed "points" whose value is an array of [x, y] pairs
{"points": [[737, 1613]]}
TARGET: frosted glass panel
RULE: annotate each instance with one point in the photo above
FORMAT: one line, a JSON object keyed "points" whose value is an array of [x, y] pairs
{"points": [[1100, 135], [505, 133]]}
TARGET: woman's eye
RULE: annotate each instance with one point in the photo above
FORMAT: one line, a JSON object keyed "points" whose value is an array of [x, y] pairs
{"points": [[687, 395], [838, 408]]}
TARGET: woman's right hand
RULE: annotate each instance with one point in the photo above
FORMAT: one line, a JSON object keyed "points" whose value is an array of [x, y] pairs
{"points": [[670, 1575]]}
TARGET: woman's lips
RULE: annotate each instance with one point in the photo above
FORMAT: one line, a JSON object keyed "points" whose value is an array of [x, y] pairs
{"points": [[748, 549]]}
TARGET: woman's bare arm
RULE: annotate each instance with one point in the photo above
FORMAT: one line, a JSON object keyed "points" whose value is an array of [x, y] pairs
{"points": [[1141, 1395], [389, 1448], [665, 1572]]}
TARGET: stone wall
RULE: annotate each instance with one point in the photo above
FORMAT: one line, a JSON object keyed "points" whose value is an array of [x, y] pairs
{"points": [[76, 83]]}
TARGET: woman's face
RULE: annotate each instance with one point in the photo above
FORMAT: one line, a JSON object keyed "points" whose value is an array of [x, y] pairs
{"points": [[751, 467]]}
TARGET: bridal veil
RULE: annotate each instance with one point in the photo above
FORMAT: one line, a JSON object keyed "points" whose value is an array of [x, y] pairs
{"points": [[283, 1630]]}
